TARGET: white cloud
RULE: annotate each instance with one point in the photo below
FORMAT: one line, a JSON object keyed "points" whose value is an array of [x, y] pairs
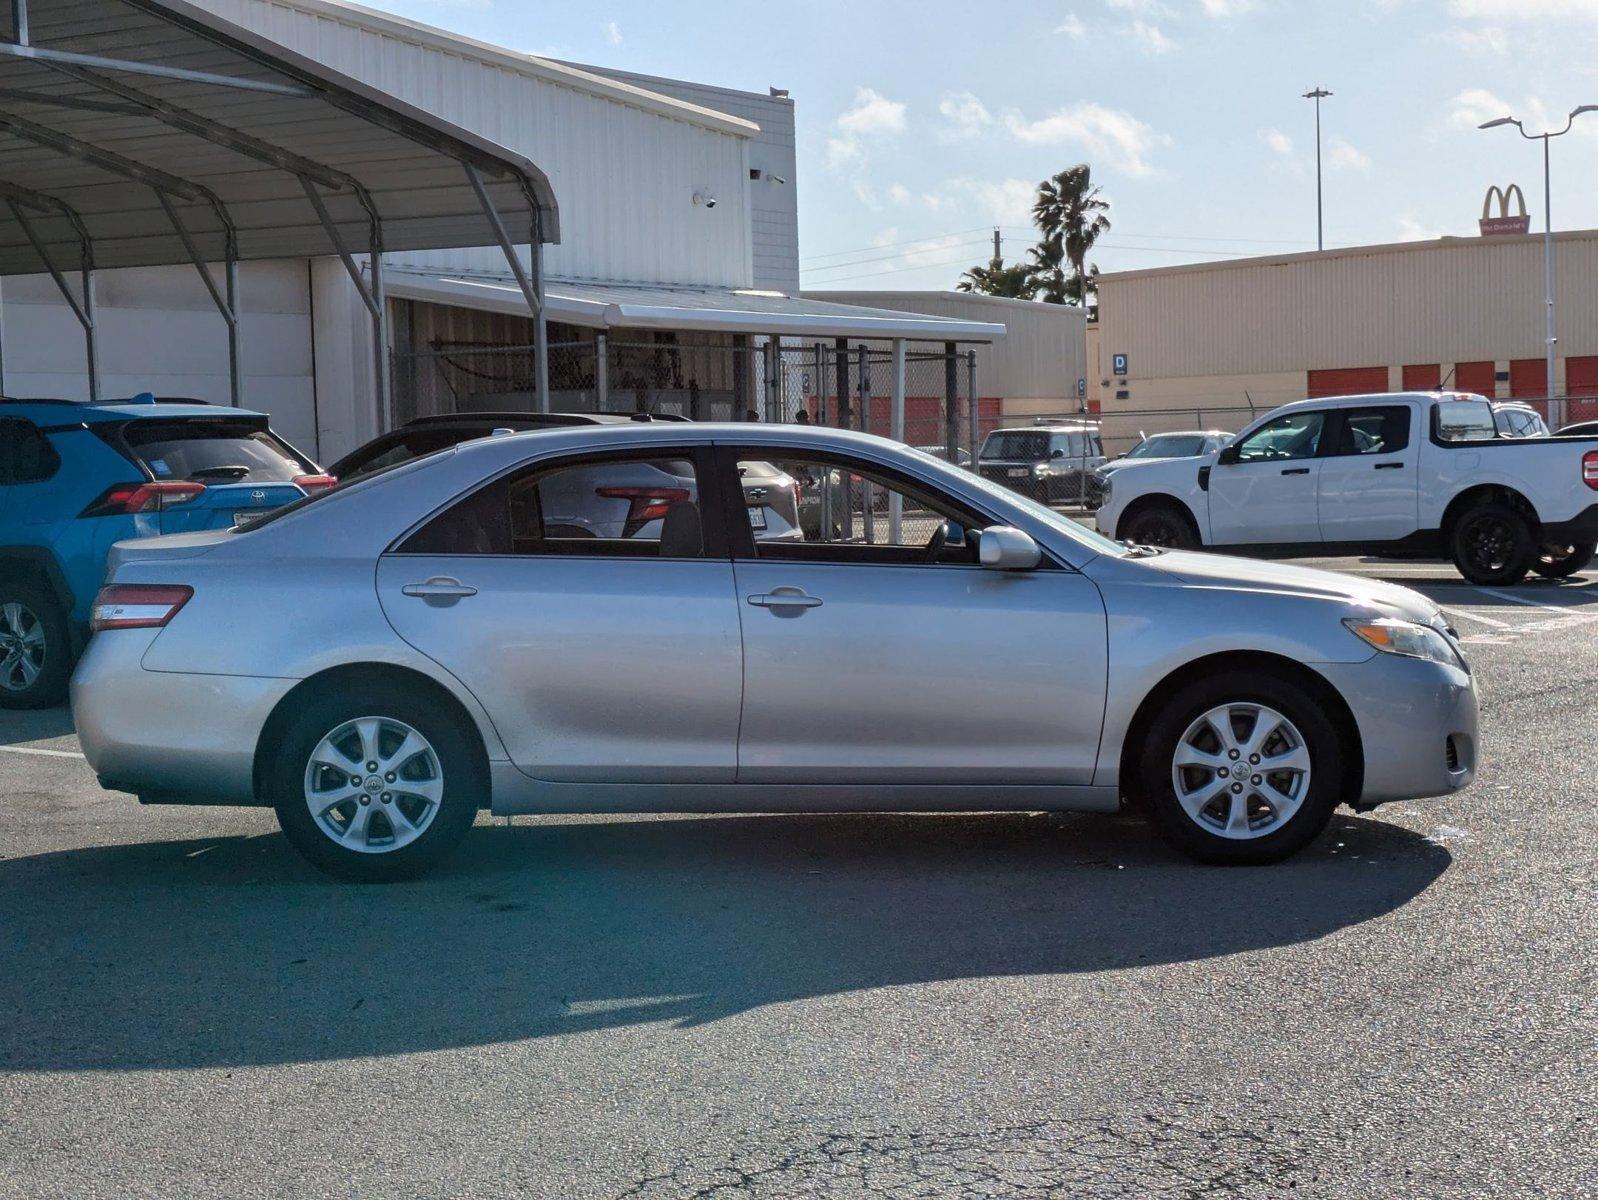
{"points": [[1412, 229], [843, 152], [1278, 142], [1527, 11], [611, 32], [1221, 9], [1474, 106], [872, 113], [1072, 27], [1488, 41], [1144, 8], [1342, 155], [1004, 201], [966, 115], [1118, 138], [931, 202], [1150, 38]]}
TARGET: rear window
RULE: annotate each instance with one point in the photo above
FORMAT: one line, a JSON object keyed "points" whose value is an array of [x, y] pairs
{"points": [[1465, 421], [213, 451], [1017, 443], [399, 448]]}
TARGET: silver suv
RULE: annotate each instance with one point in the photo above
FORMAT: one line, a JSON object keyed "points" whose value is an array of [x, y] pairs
{"points": [[1048, 463]]}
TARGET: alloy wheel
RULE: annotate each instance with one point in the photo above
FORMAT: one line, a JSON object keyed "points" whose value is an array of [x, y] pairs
{"points": [[1489, 543], [374, 785], [1241, 771], [22, 647]]}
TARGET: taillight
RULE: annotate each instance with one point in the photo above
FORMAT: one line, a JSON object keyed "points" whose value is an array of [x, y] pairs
{"points": [[137, 605], [1589, 469], [123, 499], [645, 504], [311, 484]]}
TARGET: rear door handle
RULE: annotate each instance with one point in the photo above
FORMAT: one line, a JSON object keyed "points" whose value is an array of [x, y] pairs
{"points": [[785, 597], [440, 587], [1295, 470], [1388, 467]]}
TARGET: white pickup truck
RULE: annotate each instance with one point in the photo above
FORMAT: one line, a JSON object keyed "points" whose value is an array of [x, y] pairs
{"points": [[1407, 474]]}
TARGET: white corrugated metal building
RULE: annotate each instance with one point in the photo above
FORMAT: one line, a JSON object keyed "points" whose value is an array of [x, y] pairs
{"points": [[678, 242], [1465, 313]]}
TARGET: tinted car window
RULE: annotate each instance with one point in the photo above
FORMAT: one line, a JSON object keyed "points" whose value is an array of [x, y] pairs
{"points": [[212, 451], [1028, 444], [26, 455], [1374, 431], [615, 507], [390, 451], [1296, 435]]}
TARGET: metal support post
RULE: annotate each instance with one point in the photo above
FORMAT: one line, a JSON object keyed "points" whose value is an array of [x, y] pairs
{"points": [[821, 385], [951, 399], [896, 432], [532, 286], [19, 22], [82, 307], [226, 302], [974, 415], [774, 407], [867, 491], [382, 360], [602, 371], [740, 377], [841, 351]]}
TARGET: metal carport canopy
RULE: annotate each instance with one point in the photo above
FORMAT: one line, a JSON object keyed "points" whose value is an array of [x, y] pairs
{"points": [[152, 132]]}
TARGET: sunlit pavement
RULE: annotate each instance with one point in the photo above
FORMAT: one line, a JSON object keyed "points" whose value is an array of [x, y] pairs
{"points": [[829, 1006]]}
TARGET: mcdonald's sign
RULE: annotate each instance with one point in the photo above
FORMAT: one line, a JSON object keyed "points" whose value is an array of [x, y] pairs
{"points": [[1503, 222]]}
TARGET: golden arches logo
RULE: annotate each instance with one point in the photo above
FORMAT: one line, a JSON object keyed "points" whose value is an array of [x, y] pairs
{"points": [[1504, 222]]}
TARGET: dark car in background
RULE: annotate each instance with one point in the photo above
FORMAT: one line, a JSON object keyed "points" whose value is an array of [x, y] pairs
{"points": [[1050, 463]]}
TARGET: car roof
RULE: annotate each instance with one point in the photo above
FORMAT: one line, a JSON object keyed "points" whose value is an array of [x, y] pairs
{"points": [[1364, 398], [532, 420], [1187, 433], [54, 411]]}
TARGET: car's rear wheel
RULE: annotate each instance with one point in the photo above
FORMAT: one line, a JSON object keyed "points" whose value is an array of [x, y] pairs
{"points": [[1560, 562], [1492, 544], [35, 649], [1242, 768], [1161, 524], [374, 785]]}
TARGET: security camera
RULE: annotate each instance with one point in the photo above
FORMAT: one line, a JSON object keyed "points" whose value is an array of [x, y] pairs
{"points": [[705, 198]]}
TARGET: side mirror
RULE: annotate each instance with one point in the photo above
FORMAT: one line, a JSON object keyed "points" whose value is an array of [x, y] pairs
{"points": [[1228, 456], [1057, 453], [1006, 548]]}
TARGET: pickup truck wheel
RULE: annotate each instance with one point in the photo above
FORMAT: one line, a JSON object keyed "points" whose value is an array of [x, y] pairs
{"points": [[1162, 525], [35, 649], [1492, 544], [1561, 562], [1242, 768]]}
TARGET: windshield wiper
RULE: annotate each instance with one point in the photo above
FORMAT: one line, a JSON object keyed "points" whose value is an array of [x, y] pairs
{"points": [[227, 472]]}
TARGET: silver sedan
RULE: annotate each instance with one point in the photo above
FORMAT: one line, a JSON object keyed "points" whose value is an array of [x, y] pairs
{"points": [[382, 661]]}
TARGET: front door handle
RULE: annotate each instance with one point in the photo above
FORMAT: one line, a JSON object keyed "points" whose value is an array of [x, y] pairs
{"points": [[439, 587], [1295, 470], [1388, 467], [785, 597]]}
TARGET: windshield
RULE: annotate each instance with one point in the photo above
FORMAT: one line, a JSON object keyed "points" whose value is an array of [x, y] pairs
{"points": [[1169, 445], [1465, 421], [213, 451], [1029, 444]]}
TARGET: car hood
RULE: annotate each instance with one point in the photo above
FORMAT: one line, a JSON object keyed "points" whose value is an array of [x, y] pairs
{"points": [[1121, 464], [1223, 570]]}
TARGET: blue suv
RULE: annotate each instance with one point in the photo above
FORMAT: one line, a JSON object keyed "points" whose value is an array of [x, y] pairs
{"points": [[74, 478]]}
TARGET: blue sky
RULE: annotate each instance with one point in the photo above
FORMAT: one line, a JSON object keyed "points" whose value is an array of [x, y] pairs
{"points": [[921, 125]]}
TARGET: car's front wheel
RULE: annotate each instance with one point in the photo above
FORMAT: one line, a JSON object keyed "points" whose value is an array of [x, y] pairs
{"points": [[1242, 768], [1161, 523], [1493, 545], [374, 784], [35, 649]]}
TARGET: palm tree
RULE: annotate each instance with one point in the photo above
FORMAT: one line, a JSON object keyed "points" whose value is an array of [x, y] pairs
{"points": [[996, 279], [1070, 212]]}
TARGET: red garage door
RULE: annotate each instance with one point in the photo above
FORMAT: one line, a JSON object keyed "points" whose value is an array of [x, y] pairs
{"points": [[1528, 380], [1478, 377], [1423, 377], [1581, 380], [1347, 381]]}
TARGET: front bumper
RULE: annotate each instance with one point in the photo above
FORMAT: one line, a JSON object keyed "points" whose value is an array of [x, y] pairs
{"points": [[1418, 724], [168, 737]]}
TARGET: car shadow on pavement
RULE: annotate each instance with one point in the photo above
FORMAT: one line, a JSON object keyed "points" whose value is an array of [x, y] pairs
{"points": [[231, 952], [19, 725]]}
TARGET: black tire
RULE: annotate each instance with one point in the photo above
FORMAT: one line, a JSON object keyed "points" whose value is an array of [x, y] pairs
{"points": [[1492, 544], [1320, 738], [1161, 524], [40, 617], [1561, 562], [459, 758]]}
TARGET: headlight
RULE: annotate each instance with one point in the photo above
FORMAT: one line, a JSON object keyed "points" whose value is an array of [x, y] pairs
{"points": [[1406, 638], [1107, 483]]}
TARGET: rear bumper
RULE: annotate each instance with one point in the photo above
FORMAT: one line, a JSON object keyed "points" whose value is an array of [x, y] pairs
{"points": [[164, 736], [1417, 722], [1581, 528]]}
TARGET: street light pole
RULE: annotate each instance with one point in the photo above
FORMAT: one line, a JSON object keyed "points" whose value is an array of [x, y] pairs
{"points": [[1318, 95], [1550, 333]]}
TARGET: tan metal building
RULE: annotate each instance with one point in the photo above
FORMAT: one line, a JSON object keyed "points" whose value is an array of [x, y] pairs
{"points": [[1209, 340]]}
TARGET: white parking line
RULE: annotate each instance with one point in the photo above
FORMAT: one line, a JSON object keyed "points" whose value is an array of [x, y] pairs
{"points": [[1565, 609], [1490, 622], [40, 750]]}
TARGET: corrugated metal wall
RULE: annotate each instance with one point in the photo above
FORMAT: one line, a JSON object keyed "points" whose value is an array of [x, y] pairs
{"points": [[1040, 357], [1425, 302], [624, 176]]}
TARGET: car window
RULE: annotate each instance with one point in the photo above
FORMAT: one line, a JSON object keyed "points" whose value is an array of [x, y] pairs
{"points": [[1382, 430], [213, 451], [399, 447], [1029, 444], [1294, 435], [820, 510], [1170, 445], [1465, 421], [26, 455], [616, 507]]}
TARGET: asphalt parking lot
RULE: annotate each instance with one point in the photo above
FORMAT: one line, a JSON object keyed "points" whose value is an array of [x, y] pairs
{"points": [[829, 1006]]}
